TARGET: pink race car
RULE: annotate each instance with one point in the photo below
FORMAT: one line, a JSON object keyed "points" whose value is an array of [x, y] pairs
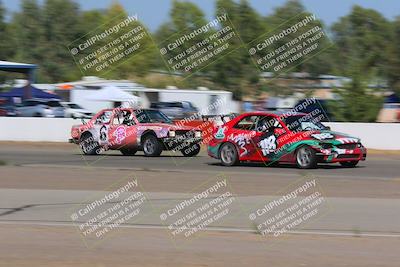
{"points": [[130, 130]]}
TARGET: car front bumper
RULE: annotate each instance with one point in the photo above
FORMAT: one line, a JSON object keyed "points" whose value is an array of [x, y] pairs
{"points": [[341, 155]]}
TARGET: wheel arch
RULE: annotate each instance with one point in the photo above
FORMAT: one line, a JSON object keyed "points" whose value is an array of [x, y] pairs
{"points": [[226, 142]]}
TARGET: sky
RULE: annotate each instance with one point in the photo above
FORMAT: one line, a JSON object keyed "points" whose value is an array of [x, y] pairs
{"points": [[155, 12]]}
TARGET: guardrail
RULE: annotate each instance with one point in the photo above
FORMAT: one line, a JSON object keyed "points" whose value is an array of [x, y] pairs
{"points": [[373, 135]]}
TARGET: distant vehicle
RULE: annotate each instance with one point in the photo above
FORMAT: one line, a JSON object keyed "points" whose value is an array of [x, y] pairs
{"points": [[130, 130], [280, 137], [50, 108], [8, 110], [175, 110], [75, 111]]}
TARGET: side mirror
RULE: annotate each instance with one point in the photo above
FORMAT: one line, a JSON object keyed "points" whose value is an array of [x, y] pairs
{"points": [[328, 128], [279, 131]]}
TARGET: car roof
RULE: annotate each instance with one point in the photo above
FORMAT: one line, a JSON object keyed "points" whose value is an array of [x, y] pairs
{"points": [[272, 113]]}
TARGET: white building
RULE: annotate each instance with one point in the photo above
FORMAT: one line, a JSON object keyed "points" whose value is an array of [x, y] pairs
{"points": [[209, 102]]}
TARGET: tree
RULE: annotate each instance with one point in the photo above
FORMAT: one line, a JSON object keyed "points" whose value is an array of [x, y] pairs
{"points": [[318, 62], [393, 63], [355, 103], [362, 38], [59, 30], [138, 63], [5, 45]]}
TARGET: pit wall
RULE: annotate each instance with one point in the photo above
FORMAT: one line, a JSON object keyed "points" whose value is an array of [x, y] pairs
{"points": [[384, 136]]}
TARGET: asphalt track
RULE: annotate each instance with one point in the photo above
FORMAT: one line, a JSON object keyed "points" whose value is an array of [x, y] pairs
{"points": [[376, 166], [42, 185]]}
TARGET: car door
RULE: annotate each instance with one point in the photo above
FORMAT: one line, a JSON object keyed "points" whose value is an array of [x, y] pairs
{"points": [[242, 134], [269, 137], [122, 130]]}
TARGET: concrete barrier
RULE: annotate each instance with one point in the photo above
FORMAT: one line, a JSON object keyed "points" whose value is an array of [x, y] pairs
{"points": [[36, 129], [373, 135]]}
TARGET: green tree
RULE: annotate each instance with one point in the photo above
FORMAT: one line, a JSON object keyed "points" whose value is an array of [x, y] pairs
{"points": [[138, 63], [290, 13], [393, 62], [28, 33], [356, 103], [362, 38], [60, 28]]}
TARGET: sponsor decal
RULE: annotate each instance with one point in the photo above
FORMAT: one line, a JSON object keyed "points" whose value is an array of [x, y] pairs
{"points": [[347, 140], [120, 134], [220, 133], [241, 140], [323, 136]]}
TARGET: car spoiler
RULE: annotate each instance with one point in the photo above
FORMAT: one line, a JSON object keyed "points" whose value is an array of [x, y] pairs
{"points": [[224, 117]]}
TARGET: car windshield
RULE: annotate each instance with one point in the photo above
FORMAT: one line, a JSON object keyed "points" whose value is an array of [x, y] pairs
{"points": [[145, 116], [53, 104], [74, 106], [300, 123]]}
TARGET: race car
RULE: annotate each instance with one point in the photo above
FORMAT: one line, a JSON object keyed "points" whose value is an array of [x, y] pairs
{"points": [[130, 130], [296, 138]]}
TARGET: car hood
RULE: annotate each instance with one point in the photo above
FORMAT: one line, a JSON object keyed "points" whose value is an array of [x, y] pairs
{"points": [[168, 126], [333, 137]]}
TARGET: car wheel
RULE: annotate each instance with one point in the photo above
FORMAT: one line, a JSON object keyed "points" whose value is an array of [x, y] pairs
{"points": [[37, 115], [228, 155], [349, 164], [306, 158], [88, 145], [151, 146], [191, 151], [128, 151]]}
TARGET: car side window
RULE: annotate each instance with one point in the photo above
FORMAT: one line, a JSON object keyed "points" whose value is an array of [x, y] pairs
{"points": [[247, 123], [267, 124], [104, 118]]}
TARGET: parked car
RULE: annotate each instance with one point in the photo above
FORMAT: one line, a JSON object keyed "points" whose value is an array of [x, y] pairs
{"points": [[50, 108], [130, 130], [73, 110], [283, 137], [175, 110], [8, 110]]}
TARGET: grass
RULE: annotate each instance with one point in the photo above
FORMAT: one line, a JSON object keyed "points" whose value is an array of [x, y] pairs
{"points": [[3, 163]]}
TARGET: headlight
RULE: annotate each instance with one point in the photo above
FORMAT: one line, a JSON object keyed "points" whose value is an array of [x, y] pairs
{"points": [[325, 145], [171, 133], [197, 134]]}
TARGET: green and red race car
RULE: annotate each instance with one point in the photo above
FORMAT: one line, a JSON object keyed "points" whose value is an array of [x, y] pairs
{"points": [[296, 138]]}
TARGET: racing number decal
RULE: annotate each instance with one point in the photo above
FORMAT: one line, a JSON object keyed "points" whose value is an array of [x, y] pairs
{"points": [[268, 145], [103, 133]]}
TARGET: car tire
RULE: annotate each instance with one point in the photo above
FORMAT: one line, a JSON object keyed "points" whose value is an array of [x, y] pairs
{"points": [[228, 155], [306, 158], [151, 146], [128, 151], [88, 145], [349, 164], [38, 115], [191, 151]]}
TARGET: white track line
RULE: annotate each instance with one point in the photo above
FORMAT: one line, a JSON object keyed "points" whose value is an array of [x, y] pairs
{"points": [[216, 229]]}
